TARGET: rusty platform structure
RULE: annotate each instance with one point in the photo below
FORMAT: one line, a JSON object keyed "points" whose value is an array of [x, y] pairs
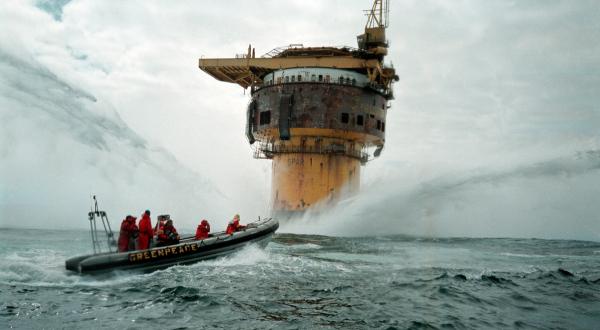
{"points": [[317, 112]]}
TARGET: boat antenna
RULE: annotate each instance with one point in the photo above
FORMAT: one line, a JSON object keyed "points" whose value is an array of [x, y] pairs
{"points": [[92, 198], [96, 214]]}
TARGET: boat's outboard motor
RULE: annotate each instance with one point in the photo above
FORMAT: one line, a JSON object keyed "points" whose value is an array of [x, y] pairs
{"points": [[94, 215]]}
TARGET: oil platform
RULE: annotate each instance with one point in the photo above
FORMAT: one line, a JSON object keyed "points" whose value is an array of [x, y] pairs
{"points": [[317, 112]]}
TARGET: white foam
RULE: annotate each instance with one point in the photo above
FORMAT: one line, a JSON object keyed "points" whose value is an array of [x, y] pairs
{"points": [[306, 246], [249, 255]]}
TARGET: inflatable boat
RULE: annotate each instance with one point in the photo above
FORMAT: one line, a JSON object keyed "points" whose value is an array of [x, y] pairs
{"points": [[187, 251]]}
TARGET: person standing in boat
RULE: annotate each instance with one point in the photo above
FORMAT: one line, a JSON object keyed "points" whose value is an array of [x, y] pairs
{"points": [[146, 231], [202, 230], [169, 235], [127, 234], [234, 225]]}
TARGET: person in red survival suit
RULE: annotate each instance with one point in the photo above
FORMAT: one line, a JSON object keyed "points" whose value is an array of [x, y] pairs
{"points": [[234, 225], [169, 235], [160, 225], [127, 235], [146, 231], [203, 229]]}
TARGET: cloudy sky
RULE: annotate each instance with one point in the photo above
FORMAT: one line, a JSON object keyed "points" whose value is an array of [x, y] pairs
{"points": [[494, 130]]}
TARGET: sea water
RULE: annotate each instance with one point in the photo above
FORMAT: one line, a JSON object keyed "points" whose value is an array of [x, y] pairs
{"points": [[308, 281]]}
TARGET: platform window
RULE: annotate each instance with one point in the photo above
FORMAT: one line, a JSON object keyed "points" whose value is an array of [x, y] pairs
{"points": [[320, 77], [345, 118], [265, 118], [379, 124], [313, 78], [293, 78], [360, 120], [383, 126], [287, 79], [299, 77], [327, 78]]}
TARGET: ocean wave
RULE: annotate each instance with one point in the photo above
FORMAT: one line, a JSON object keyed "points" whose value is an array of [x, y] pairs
{"points": [[47, 270], [179, 293], [520, 255], [339, 282], [497, 280]]}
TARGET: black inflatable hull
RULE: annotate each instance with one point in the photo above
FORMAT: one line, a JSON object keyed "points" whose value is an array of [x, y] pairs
{"points": [[186, 252]]}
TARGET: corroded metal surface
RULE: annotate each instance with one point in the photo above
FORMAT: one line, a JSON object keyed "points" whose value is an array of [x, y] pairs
{"points": [[322, 105], [317, 134], [302, 180]]}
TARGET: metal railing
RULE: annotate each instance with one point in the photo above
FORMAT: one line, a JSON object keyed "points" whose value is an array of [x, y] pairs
{"points": [[278, 50], [268, 150]]}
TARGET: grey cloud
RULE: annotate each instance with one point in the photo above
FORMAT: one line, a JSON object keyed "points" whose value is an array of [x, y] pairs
{"points": [[53, 7], [59, 144]]}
